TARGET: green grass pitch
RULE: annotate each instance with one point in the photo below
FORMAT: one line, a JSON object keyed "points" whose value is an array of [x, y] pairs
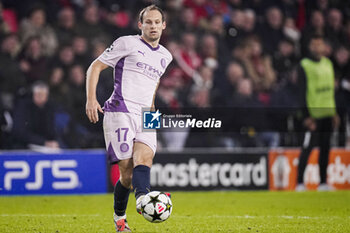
{"points": [[193, 212]]}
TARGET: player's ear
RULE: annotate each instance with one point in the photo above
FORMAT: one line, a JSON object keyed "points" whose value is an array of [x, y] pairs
{"points": [[139, 24], [164, 25]]}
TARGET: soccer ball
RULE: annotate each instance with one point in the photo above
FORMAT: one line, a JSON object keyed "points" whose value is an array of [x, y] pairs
{"points": [[156, 207]]}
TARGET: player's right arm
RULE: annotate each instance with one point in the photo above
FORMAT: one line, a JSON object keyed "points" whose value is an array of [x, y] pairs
{"points": [[92, 76]]}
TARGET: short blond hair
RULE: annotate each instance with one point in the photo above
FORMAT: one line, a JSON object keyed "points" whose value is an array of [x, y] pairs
{"points": [[150, 8]]}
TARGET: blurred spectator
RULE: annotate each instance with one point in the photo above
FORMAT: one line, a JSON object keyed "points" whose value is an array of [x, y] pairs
{"points": [[217, 7], [34, 120], [186, 22], [81, 51], [209, 51], [188, 58], [236, 4], [58, 88], [81, 134], [119, 22], [347, 31], [76, 91], [289, 7], [341, 62], [32, 61], [216, 26], [65, 59], [4, 26], [199, 8], [258, 66], [66, 25], [11, 76], [206, 74], [322, 5], [200, 100], [90, 26], [334, 29], [315, 26], [271, 32], [224, 92], [36, 26], [249, 22], [244, 96], [290, 30], [234, 29], [284, 58]]}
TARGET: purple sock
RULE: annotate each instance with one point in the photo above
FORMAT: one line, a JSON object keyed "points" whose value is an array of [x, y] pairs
{"points": [[141, 180], [121, 197]]}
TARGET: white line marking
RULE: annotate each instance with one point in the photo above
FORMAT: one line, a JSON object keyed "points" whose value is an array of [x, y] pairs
{"points": [[49, 215], [258, 217]]}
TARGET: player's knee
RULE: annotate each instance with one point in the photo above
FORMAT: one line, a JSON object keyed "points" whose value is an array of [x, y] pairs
{"points": [[126, 180], [146, 160]]}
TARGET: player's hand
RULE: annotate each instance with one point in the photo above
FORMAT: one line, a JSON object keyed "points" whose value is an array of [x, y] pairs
{"points": [[52, 144], [91, 110], [336, 121], [310, 124]]}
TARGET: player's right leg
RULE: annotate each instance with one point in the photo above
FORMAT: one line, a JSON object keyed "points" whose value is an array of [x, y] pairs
{"points": [[119, 135], [121, 195]]}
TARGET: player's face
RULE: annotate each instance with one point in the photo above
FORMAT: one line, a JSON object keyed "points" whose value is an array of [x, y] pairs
{"points": [[317, 47], [152, 25], [40, 96]]}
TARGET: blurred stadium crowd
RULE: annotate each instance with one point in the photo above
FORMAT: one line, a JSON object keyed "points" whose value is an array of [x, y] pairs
{"points": [[232, 54]]}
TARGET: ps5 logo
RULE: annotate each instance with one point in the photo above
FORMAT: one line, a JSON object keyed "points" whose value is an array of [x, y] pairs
{"points": [[20, 170]]}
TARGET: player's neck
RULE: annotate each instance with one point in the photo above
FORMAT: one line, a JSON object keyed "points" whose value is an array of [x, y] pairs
{"points": [[154, 44]]}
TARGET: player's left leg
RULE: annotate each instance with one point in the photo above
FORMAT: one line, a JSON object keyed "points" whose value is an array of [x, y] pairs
{"points": [[123, 186], [308, 144], [324, 139], [143, 159]]}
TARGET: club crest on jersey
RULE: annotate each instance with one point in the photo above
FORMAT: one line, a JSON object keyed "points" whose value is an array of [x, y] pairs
{"points": [[163, 63]]}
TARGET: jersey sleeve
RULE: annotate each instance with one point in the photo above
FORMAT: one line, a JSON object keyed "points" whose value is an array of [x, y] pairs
{"points": [[115, 52]]}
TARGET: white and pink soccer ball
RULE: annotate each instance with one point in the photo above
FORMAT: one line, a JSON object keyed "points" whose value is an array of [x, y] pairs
{"points": [[156, 207]]}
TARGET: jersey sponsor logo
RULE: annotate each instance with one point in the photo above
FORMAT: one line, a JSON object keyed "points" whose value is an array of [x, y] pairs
{"points": [[149, 70], [151, 120]]}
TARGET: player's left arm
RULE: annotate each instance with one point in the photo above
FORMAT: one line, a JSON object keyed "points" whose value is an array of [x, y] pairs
{"points": [[153, 107]]}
